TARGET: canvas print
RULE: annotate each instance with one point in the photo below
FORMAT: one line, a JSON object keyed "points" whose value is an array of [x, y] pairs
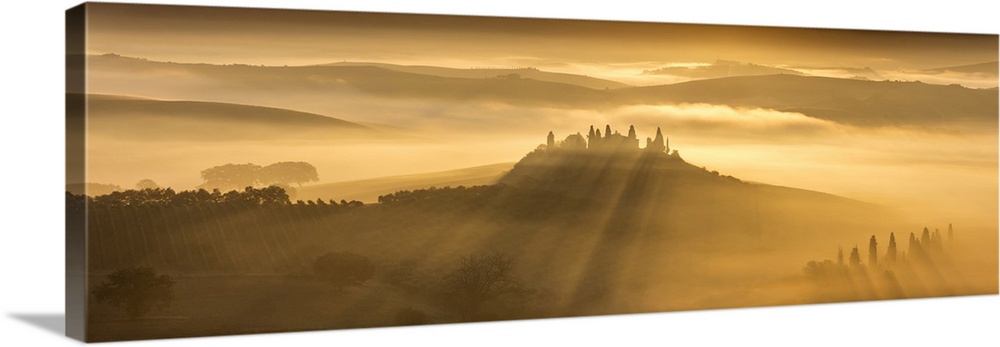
{"points": [[239, 170]]}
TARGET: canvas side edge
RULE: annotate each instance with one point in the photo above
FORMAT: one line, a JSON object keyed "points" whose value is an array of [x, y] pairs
{"points": [[76, 219]]}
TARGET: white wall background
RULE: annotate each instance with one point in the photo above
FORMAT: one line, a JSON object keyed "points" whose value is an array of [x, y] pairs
{"points": [[31, 224]]}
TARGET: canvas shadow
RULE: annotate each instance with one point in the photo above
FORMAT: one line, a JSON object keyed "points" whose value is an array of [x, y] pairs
{"points": [[51, 322]]}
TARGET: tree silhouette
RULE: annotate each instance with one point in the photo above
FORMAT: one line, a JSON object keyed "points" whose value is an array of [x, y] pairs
{"points": [[146, 184], [855, 257], [891, 253], [913, 249], [137, 290], [936, 243], [479, 279], [575, 142], [344, 269], [872, 252], [230, 176], [288, 172]]}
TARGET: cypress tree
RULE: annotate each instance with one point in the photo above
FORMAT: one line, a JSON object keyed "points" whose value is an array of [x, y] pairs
{"points": [[872, 252], [891, 254], [914, 247], [855, 257], [591, 138], [936, 239]]}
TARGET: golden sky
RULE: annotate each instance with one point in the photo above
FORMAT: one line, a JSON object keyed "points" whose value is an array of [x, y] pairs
{"points": [[296, 37]]}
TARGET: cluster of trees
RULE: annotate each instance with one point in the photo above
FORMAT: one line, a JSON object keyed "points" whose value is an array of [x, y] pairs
{"points": [[499, 201], [237, 176], [230, 177], [331, 202], [879, 272], [447, 195], [928, 246], [165, 197], [260, 230]]}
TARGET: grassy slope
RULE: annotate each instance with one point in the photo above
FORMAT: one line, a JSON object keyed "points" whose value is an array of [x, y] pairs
{"points": [[368, 190]]}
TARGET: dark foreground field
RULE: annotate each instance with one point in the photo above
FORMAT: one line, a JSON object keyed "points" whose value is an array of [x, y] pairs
{"points": [[224, 305]]}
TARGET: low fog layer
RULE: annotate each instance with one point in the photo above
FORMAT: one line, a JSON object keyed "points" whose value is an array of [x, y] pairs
{"points": [[925, 169]]}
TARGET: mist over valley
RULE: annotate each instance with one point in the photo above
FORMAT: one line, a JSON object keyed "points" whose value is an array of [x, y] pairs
{"points": [[494, 173]]}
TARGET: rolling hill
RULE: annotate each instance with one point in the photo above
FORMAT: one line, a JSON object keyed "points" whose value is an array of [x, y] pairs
{"points": [[124, 117], [721, 68], [492, 73], [654, 191], [290, 86], [594, 229], [368, 190], [334, 88], [855, 102], [989, 69]]}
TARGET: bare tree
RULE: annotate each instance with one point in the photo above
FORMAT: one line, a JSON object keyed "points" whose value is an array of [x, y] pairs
{"points": [[479, 279]]}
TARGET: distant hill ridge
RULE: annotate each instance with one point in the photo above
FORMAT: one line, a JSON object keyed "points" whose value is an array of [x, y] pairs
{"points": [[847, 101], [988, 68], [200, 120], [496, 73], [209, 110], [721, 68], [374, 80]]}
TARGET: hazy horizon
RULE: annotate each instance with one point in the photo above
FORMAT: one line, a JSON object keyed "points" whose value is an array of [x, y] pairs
{"points": [[688, 166], [606, 49]]}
